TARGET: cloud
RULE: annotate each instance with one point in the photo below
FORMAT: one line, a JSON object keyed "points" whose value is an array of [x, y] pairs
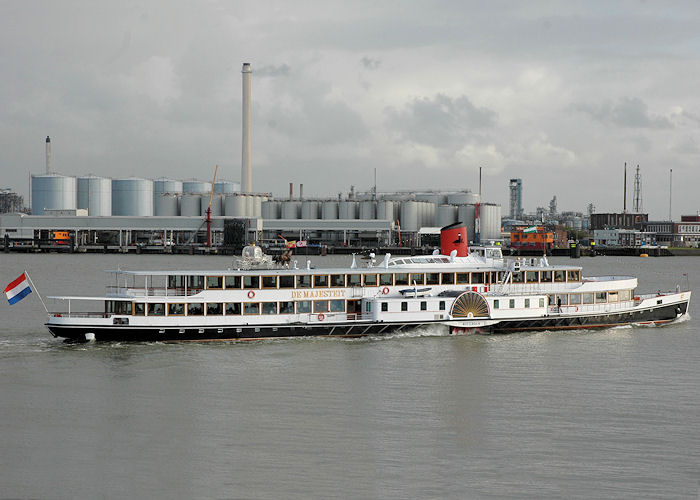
{"points": [[369, 63], [627, 112], [272, 71]]}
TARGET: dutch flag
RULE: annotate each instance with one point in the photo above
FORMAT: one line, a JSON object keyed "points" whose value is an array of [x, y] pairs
{"points": [[18, 289]]}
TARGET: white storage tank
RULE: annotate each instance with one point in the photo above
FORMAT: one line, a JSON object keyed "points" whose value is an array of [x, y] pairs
{"points": [[347, 210], [385, 210], [132, 196], [235, 205], [217, 202], [437, 198], [368, 210], [164, 185], [196, 187], [95, 195], [270, 209], [191, 205], [227, 187], [409, 216], [310, 209], [291, 210], [490, 221], [447, 214], [465, 214], [166, 205], [463, 198], [53, 191], [329, 210]]}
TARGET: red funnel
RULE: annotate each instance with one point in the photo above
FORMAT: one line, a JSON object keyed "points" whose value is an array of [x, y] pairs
{"points": [[454, 237]]}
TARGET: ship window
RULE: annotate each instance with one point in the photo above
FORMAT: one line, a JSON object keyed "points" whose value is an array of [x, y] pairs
{"points": [[215, 282], [624, 295], [612, 297], [320, 306], [432, 279], [369, 279], [337, 306], [495, 304], [448, 278], [477, 278], [176, 281], [156, 309], [518, 277], [337, 280], [368, 307], [286, 281], [527, 303], [304, 306], [385, 306], [575, 299], [321, 280], [251, 281], [233, 281], [215, 309], [531, 276], [564, 299], [251, 308], [573, 276], [176, 309], [233, 308], [511, 303], [386, 279], [118, 307], [404, 306], [269, 307], [587, 298], [195, 309], [541, 301], [269, 281], [423, 305], [304, 281], [417, 278], [139, 309], [546, 277], [463, 278], [442, 305], [402, 278], [559, 276], [353, 279], [286, 307], [196, 282], [600, 297]]}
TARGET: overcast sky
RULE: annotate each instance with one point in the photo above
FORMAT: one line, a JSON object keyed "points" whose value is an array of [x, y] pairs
{"points": [[559, 94]]}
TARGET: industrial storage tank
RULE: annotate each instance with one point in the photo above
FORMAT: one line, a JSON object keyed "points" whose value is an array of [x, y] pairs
{"points": [[329, 210], [164, 185], [95, 195], [250, 205], [53, 191], [226, 187], [132, 196], [257, 203], [217, 204], [409, 216], [166, 205], [437, 198], [490, 221], [463, 198], [195, 186], [368, 210], [347, 210], [235, 205], [385, 210], [270, 209], [465, 214], [447, 214], [291, 209], [191, 205], [310, 209]]}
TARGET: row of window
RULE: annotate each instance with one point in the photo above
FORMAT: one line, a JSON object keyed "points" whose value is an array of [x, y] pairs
{"points": [[373, 279], [575, 299], [511, 303]]}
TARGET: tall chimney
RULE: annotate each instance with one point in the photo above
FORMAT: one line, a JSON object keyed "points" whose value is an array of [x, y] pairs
{"points": [[246, 169], [301, 191], [48, 155], [624, 196], [291, 191]]}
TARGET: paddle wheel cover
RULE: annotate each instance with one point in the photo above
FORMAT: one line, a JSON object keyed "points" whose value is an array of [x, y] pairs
{"points": [[470, 305]]}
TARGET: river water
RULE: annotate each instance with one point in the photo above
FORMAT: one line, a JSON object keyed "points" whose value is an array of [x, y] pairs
{"points": [[611, 413]]}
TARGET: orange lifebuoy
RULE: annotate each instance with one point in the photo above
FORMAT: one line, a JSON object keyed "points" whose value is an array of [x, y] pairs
{"points": [[321, 316], [251, 294], [385, 290]]}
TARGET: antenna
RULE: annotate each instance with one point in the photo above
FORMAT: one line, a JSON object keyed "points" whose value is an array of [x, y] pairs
{"points": [[670, 194], [637, 192], [624, 192]]}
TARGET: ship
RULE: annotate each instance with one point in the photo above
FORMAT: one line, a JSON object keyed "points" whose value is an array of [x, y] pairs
{"points": [[464, 289]]}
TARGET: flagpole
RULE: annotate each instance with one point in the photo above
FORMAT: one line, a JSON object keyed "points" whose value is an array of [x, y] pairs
{"points": [[37, 291]]}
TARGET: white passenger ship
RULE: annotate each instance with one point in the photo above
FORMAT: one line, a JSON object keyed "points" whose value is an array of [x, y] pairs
{"points": [[467, 291]]}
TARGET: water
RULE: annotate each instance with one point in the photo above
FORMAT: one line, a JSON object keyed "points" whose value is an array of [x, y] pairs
{"points": [[589, 414]]}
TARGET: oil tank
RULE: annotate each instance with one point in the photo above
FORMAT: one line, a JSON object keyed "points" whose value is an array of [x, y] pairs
{"points": [[437, 198], [291, 209], [368, 210], [235, 205], [217, 202], [132, 196], [385, 210], [447, 214], [249, 205], [465, 214], [347, 210], [490, 221], [270, 210], [191, 205], [95, 195], [329, 209], [227, 187], [165, 185], [196, 187], [53, 191], [409, 216], [257, 203], [462, 198], [310, 209], [166, 205]]}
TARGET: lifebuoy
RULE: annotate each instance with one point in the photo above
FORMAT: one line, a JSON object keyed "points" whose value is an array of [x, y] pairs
{"points": [[576, 308], [251, 294], [321, 316], [385, 290]]}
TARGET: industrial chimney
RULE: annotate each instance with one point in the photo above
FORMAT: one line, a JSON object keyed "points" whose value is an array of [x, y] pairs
{"points": [[48, 155], [246, 169]]}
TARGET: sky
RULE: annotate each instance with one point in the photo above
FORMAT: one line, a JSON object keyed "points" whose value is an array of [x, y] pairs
{"points": [[559, 94]]}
